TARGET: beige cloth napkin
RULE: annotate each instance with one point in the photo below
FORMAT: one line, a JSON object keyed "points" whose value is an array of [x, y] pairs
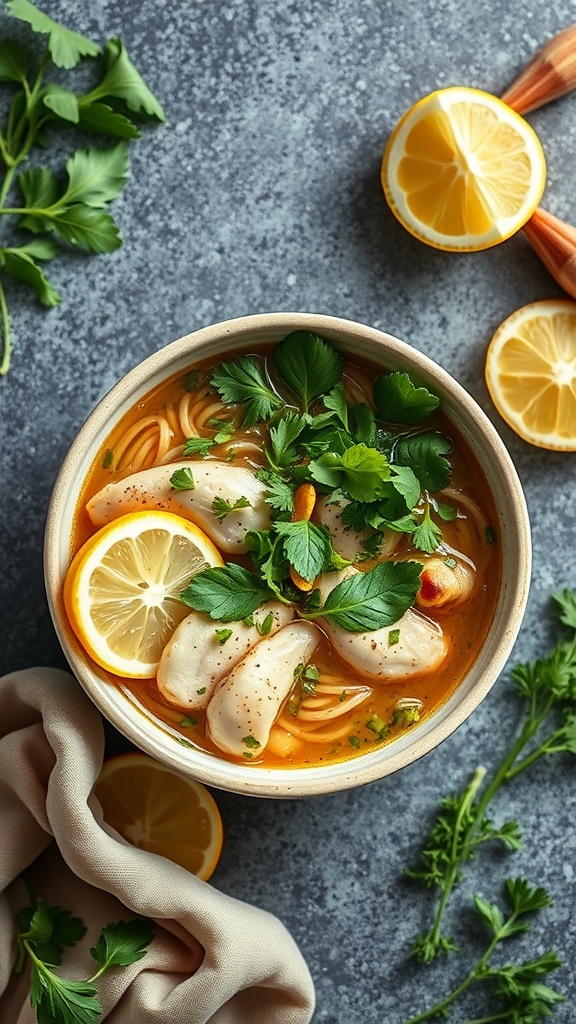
{"points": [[213, 958]]}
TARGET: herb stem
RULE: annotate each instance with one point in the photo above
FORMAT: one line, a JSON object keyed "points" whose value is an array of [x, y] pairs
{"points": [[5, 320]]}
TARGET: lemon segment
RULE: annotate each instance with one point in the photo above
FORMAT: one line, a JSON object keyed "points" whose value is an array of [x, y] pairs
{"points": [[161, 811], [121, 591], [462, 170], [531, 373]]}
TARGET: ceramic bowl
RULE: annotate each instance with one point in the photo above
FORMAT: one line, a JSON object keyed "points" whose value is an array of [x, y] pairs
{"points": [[513, 527]]}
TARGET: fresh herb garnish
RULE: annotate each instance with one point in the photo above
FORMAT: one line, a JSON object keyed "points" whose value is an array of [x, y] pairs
{"points": [[251, 741], [371, 600], [43, 933], [198, 446], [222, 635], [279, 494], [182, 480], [306, 546], [548, 687], [108, 458], [399, 400], [222, 508], [393, 637], [74, 211], [227, 593], [308, 365], [427, 534], [282, 454], [188, 721], [359, 472], [264, 627], [241, 381], [424, 455]]}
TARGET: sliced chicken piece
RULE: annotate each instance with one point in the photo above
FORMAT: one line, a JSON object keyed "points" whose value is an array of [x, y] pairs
{"points": [[195, 659], [346, 541], [247, 702], [445, 581], [414, 645], [151, 489]]}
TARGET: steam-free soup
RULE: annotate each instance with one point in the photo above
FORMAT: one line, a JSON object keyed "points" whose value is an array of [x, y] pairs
{"points": [[360, 560]]}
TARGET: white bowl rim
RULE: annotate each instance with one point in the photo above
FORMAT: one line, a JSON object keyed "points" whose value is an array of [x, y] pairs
{"points": [[360, 769]]}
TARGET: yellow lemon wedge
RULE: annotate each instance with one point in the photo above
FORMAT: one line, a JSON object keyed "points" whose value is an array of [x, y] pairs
{"points": [[462, 171], [531, 373], [121, 590], [161, 811]]}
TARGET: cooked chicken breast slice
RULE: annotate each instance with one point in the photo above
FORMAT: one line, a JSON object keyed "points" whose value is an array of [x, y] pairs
{"points": [[151, 489], [414, 645], [247, 702], [194, 660]]}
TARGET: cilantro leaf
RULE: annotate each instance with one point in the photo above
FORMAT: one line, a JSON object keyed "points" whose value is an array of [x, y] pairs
{"points": [[336, 402], [278, 494], [360, 472], [241, 381], [122, 943], [198, 446], [283, 433], [20, 264], [427, 534], [96, 176], [308, 365], [364, 423], [122, 81], [227, 594], [66, 47], [399, 400], [374, 599], [182, 479], [307, 547], [424, 455], [222, 508]]}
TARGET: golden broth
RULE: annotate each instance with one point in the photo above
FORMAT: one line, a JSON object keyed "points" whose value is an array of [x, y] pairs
{"points": [[156, 428]]}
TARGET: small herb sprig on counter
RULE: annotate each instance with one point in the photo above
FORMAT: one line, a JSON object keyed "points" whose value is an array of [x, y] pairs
{"points": [[74, 211], [44, 932], [548, 686]]}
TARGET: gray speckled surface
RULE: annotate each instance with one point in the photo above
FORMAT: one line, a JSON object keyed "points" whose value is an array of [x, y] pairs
{"points": [[262, 193]]}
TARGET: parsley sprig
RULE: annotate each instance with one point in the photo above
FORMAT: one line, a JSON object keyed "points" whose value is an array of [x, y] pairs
{"points": [[547, 687], [69, 210], [44, 932]]}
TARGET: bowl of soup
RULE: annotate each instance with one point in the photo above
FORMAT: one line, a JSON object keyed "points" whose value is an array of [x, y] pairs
{"points": [[287, 555]]}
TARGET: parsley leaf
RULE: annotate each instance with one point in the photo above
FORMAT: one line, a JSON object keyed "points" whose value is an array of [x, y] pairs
{"points": [[222, 508], [197, 446], [336, 402], [427, 534], [308, 365], [21, 264], [122, 943], [306, 546], [360, 472], [122, 81], [241, 381], [399, 400], [283, 433], [424, 455], [182, 480], [374, 599], [278, 494], [227, 593], [66, 47]]}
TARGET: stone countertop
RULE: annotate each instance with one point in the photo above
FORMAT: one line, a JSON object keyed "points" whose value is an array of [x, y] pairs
{"points": [[262, 193]]}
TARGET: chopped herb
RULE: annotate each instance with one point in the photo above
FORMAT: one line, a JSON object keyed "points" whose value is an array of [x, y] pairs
{"points": [[407, 715], [251, 741], [201, 691], [354, 741], [198, 446], [311, 672], [221, 507], [222, 635], [224, 430], [247, 755], [292, 708], [108, 458], [298, 670], [191, 381], [183, 742], [265, 626], [248, 620], [393, 637], [451, 563], [343, 696], [378, 727], [490, 535], [182, 480], [188, 720], [241, 381]]}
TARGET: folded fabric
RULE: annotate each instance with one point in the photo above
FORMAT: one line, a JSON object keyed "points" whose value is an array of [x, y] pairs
{"points": [[213, 958]]}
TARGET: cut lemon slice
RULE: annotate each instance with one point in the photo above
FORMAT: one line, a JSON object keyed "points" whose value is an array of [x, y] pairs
{"points": [[462, 170], [531, 373], [160, 811], [121, 591]]}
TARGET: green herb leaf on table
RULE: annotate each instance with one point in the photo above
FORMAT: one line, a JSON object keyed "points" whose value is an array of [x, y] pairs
{"points": [[399, 400], [308, 365], [13, 62], [20, 263], [374, 599], [66, 47], [241, 381], [226, 594], [122, 81], [122, 943]]}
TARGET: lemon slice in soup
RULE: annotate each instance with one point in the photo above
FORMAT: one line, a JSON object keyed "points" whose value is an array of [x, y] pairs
{"points": [[121, 591]]}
